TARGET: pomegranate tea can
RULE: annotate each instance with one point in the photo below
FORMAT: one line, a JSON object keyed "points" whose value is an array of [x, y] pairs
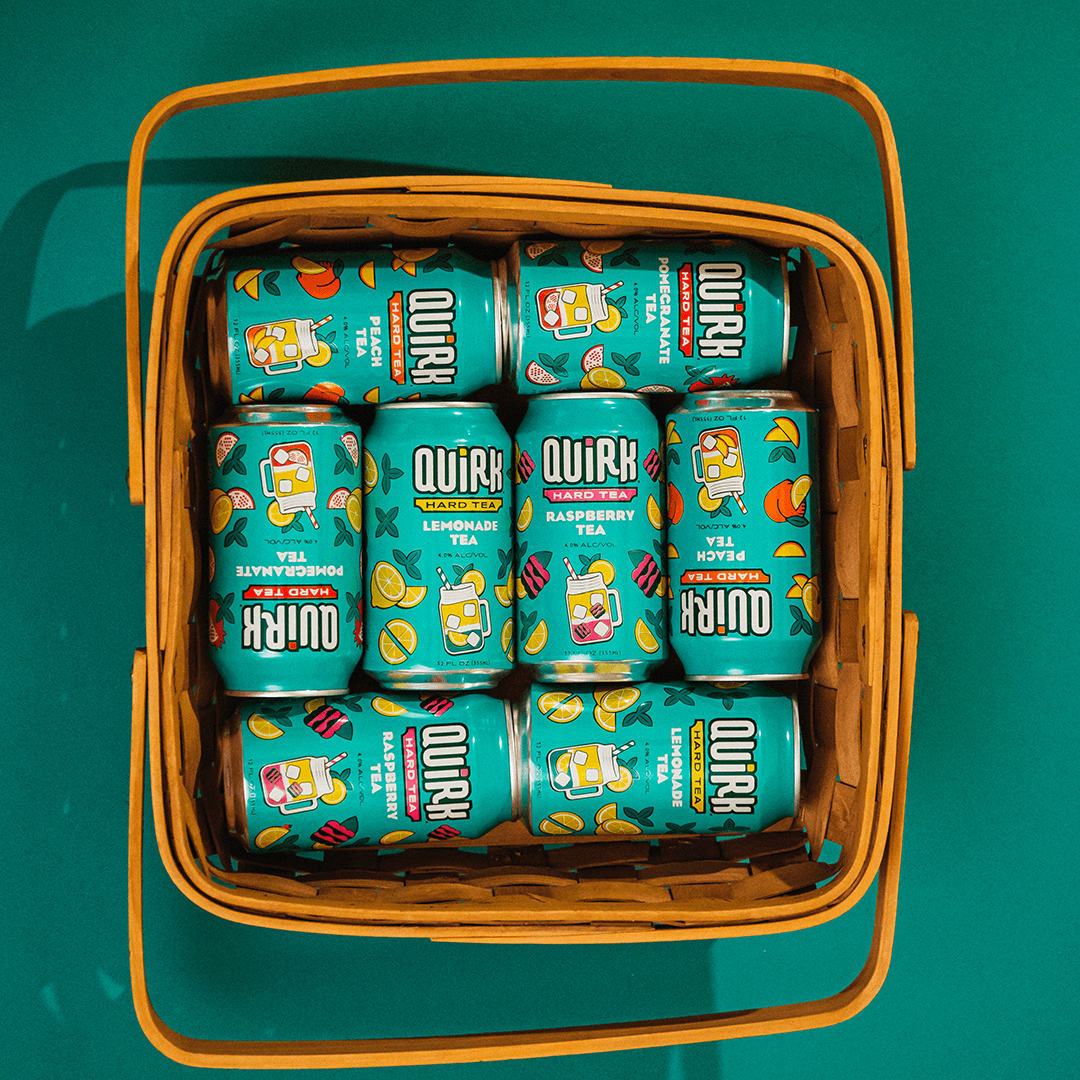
{"points": [[377, 325], [651, 316], [285, 581], [439, 606], [589, 550], [668, 757], [743, 548], [367, 769]]}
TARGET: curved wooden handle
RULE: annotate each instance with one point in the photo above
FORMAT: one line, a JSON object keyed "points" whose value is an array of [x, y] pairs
{"points": [[630, 69], [500, 1046]]}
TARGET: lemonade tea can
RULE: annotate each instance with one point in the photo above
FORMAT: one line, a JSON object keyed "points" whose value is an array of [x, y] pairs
{"points": [[367, 769], [647, 316], [376, 325], [285, 580], [439, 607], [743, 556], [653, 758], [589, 552]]}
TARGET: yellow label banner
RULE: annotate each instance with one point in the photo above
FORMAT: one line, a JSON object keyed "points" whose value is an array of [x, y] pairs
{"points": [[697, 766], [433, 505]]}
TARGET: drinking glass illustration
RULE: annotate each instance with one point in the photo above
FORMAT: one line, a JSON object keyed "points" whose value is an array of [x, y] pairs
{"points": [[718, 464], [288, 475], [297, 784], [465, 619], [580, 772], [282, 346], [589, 604], [571, 311]]}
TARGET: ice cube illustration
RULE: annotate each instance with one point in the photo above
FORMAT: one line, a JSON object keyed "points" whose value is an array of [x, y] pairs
{"points": [[580, 611], [713, 471], [596, 598], [277, 793], [291, 350], [592, 776], [469, 610], [601, 629], [292, 771], [284, 485], [581, 314], [568, 296], [562, 779], [473, 639], [452, 622], [550, 318], [278, 332], [709, 441], [261, 356], [280, 456], [732, 458], [303, 474], [580, 757]]}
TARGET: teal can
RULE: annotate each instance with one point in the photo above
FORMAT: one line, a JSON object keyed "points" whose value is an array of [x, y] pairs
{"points": [[589, 552], [367, 769], [285, 582], [651, 758], [743, 530], [376, 325], [651, 316], [439, 552]]}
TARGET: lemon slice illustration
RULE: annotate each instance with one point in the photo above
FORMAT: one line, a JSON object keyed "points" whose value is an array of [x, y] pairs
{"points": [[560, 706], [507, 639], [525, 514], [537, 639], [602, 566], [395, 837], [413, 595], [561, 822], [784, 430], [352, 509], [387, 583], [338, 793], [277, 516], [476, 579], [652, 509], [620, 698], [386, 707], [644, 637], [371, 473], [626, 778], [263, 728], [606, 813], [271, 835], [397, 641], [604, 717], [616, 827], [220, 511]]}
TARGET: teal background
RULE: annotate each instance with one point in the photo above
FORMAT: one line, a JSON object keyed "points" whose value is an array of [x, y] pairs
{"points": [[984, 101]]}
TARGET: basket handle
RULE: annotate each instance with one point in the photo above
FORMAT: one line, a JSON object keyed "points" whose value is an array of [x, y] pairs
{"points": [[630, 69], [501, 1046]]}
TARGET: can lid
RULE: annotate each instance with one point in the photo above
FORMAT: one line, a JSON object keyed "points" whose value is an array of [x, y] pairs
{"points": [[513, 735], [503, 321], [434, 404], [262, 412], [797, 754], [231, 756]]}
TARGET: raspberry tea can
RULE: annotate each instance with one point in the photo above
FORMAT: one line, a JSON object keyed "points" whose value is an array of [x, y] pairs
{"points": [[439, 546], [285, 550], [367, 769], [658, 758], [589, 551], [376, 325], [743, 535], [650, 316]]}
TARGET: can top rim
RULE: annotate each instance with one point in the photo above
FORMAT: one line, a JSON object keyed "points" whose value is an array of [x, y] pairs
{"points": [[588, 394], [435, 404]]}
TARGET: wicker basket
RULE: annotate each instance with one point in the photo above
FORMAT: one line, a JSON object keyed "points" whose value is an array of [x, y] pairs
{"points": [[851, 362]]}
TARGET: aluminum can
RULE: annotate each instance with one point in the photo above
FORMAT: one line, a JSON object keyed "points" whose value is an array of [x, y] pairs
{"points": [[367, 769], [658, 758], [589, 552], [439, 546], [743, 529], [285, 550], [375, 325], [647, 316]]}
